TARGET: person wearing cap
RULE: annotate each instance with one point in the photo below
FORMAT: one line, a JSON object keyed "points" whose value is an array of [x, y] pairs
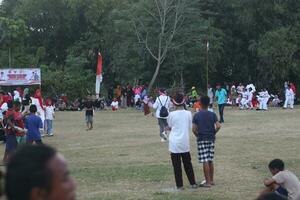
{"points": [[221, 96], [162, 102], [180, 125]]}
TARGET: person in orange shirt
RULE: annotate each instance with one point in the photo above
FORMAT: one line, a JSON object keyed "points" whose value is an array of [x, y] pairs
{"points": [[197, 105]]}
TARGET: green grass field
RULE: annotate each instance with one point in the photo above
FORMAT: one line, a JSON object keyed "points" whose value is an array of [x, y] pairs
{"points": [[123, 158]]}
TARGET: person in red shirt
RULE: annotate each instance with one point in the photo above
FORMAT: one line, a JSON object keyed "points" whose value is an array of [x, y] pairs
{"points": [[19, 124], [11, 142], [293, 87]]}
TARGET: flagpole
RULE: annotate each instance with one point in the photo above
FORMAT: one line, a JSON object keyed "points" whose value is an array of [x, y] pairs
{"points": [[207, 49]]}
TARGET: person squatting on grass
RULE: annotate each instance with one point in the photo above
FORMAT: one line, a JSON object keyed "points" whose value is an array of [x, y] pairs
{"points": [[205, 127], [180, 124], [283, 183], [37, 172]]}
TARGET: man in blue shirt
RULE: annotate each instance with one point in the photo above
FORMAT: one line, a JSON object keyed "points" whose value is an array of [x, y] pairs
{"points": [[33, 124], [221, 96]]}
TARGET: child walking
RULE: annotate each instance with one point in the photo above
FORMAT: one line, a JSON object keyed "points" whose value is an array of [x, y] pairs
{"points": [[180, 124], [205, 127], [50, 115], [89, 114], [33, 124]]}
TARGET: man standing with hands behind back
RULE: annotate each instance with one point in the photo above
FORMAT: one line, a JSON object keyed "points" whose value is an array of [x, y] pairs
{"points": [[205, 127]]}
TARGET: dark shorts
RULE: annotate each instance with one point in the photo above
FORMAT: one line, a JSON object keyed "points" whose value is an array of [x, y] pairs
{"points": [[11, 143], [206, 151], [89, 119], [281, 191]]}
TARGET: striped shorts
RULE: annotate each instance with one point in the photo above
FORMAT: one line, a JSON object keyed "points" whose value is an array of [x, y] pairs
{"points": [[206, 151]]}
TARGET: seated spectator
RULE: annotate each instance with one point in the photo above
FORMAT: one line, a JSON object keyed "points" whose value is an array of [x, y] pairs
{"points": [[38, 172], [283, 182], [273, 196]]}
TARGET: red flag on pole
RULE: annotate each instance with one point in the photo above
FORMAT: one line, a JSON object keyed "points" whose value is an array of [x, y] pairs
{"points": [[99, 66], [98, 75]]}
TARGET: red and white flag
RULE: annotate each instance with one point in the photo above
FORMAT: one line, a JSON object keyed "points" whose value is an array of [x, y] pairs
{"points": [[98, 75]]}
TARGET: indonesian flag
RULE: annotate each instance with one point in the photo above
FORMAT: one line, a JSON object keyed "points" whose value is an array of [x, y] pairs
{"points": [[99, 75]]}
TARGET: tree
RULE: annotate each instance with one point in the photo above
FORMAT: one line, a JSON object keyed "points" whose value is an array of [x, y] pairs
{"points": [[12, 34], [166, 20]]}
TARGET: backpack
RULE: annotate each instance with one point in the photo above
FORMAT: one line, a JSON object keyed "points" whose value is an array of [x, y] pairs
{"points": [[163, 110]]}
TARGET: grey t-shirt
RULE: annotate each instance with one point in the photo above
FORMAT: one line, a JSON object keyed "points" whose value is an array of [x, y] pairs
{"points": [[205, 122], [290, 182]]}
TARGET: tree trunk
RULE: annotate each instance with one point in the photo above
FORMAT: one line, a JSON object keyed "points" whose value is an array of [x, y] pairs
{"points": [[154, 76]]}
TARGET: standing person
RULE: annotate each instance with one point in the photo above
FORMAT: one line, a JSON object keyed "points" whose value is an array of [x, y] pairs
{"points": [[289, 98], [33, 124], [205, 127], [130, 95], [162, 105], [221, 96], [124, 97], [26, 100], [234, 95], [89, 113], [50, 115], [146, 102], [240, 88], [19, 124], [38, 101], [210, 94], [11, 141], [194, 95], [180, 124]]}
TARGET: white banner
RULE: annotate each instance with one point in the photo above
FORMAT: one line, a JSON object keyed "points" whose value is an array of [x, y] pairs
{"points": [[10, 77]]}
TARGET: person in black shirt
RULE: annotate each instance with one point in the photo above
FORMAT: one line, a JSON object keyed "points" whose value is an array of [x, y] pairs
{"points": [[89, 113]]}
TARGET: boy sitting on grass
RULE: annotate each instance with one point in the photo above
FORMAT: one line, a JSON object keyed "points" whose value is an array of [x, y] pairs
{"points": [[283, 182]]}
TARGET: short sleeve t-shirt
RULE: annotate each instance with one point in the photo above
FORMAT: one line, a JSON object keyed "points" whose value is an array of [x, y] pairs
{"points": [[33, 124], [290, 182], [205, 122], [221, 95], [89, 108], [180, 122], [19, 122], [49, 112]]}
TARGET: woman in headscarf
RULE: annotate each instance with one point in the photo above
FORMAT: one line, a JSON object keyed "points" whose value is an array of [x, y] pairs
{"points": [[38, 101], [17, 96], [26, 100]]}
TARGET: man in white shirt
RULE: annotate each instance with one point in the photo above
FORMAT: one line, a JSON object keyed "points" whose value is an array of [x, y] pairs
{"points": [[210, 94], [163, 102], [180, 124]]}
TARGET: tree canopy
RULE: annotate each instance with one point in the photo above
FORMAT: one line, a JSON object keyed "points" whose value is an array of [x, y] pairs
{"points": [[250, 41]]}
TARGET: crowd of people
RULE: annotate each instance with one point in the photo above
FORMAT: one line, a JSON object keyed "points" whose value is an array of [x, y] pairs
{"points": [[24, 118]]}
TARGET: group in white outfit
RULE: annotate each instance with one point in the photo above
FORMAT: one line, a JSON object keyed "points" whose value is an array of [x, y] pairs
{"points": [[289, 98], [263, 98]]}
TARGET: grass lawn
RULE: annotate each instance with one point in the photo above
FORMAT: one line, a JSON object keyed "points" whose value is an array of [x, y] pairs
{"points": [[123, 158]]}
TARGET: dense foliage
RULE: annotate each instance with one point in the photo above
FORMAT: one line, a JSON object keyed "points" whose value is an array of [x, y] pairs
{"points": [[250, 41]]}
